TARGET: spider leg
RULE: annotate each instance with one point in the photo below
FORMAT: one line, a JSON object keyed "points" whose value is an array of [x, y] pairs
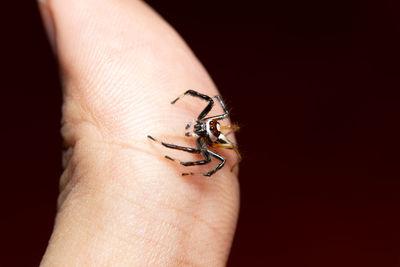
{"points": [[204, 97], [221, 158], [207, 159], [183, 148], [233, 129], [212, 153], [222, 116], [202, 149], [228, 127], [230, 146]]}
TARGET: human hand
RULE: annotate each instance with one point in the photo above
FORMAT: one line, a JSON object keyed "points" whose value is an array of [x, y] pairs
{"points": [[121, 203]]}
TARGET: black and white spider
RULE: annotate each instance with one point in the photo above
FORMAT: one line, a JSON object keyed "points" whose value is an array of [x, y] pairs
{"points": [[209, 135]]}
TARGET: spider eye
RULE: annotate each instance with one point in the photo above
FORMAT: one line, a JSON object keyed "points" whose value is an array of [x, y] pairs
{"points": [[212, 128], [212, 122]]}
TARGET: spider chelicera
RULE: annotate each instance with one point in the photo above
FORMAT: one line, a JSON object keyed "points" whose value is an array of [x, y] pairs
{"points": [[209, 135]]}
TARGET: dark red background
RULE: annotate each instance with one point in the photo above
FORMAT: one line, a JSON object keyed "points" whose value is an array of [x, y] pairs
{"points": [[313, 85]]}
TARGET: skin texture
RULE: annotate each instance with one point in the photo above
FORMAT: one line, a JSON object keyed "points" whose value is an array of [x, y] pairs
{"points": [[121, 202]]}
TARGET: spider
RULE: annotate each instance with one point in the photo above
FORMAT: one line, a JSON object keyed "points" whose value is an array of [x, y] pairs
{"points": [[209, 135]]}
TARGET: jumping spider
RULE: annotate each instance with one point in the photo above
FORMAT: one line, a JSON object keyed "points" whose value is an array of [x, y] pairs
{"points": [[209, 135]]}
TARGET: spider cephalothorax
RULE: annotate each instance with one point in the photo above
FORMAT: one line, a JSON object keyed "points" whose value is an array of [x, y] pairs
{"points": [[206, 129], [209, 135]]}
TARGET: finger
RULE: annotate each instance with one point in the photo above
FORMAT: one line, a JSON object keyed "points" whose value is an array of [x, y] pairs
{"points": [[121, 203]]}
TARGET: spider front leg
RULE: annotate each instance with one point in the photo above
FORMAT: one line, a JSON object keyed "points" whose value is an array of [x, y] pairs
{"points": [[201, 96], [222, 116]]}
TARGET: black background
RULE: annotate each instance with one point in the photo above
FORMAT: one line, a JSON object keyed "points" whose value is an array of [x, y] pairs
{"points": [[313, 85]]}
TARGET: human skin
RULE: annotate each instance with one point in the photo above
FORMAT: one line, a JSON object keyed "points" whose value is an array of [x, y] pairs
{"points": [[121, 202]]}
